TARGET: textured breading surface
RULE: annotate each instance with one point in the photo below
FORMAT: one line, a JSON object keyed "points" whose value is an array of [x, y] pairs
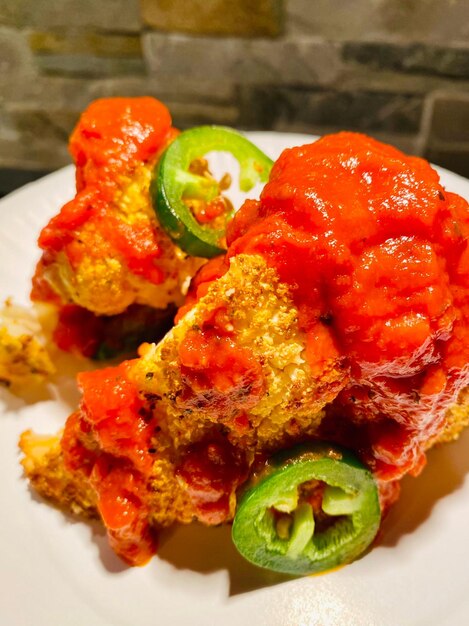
{"points": [[264, 321], [457, 418], [24, 359], [289, 407], [44, 468], [101, 280], [169, 503]]}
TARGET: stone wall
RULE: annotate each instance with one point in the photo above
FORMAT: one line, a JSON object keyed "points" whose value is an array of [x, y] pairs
{"points": [[396, 69]]}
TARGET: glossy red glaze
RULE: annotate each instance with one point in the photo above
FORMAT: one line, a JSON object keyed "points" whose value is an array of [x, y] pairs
{"points": [[112, 138], [110, 441], [376, 253], [218, 375], [114, 134]]}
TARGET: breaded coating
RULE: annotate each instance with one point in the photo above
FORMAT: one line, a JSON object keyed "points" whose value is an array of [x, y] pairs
{"points": [[106, 250], [457, 418], [264, 321], [198, 428], [44, 468], [24, 358], [168, 502], [99, 279], [339, 313], [281, 400], [273, 404]]}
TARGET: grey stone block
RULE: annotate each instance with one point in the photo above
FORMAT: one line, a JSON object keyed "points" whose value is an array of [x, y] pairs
{"points": [[53, 93], [8, 129], [414, 58], [87, 54], [302, 109], [445, 130], [70, 41], [168, 88], [334, 19], [113, 15], [194, 114], [299, 61], [32, 138], [38, 154], [39, 125], [446, 118], [16, 62], [83, 65], [435, 21], [357, 77], [9, 13]]}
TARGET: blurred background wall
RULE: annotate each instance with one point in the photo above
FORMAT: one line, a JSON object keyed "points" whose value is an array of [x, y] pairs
{"points": [[396, 69]]}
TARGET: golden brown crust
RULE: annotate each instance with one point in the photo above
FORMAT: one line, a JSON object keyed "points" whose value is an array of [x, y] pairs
{"points": [[290, 406], [24, 358], [169, 503], [102, 282], [265, 321], [457, 418], [44, 468]]}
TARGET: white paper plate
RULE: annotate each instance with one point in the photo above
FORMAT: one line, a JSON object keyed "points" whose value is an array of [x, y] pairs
{"points": [[55, 571]]}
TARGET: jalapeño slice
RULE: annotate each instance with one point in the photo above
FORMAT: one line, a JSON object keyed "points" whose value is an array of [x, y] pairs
{"points": [[173, 180], [274, 526]]}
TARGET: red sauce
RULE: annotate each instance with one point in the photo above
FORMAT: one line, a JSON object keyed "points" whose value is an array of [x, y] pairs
{"points": [[114, 134], [224, 380], [110, 441], [112, 138], [376, 253], [205, 213], [218, 376], [211, 472], [215, 268]]}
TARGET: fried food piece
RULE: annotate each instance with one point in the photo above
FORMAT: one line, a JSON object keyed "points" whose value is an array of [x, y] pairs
{"points": [[24, 358], [199, 437], [43, 465], [255, 380], [105, 250], [339, 313], [169, 434]]}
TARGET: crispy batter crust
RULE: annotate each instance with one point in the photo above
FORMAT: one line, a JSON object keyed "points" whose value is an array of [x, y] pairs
{"points": [[169, 503], [265, 321], [24, 359], [290, 406], [101, 282], [457, 418], [43, 466]]}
